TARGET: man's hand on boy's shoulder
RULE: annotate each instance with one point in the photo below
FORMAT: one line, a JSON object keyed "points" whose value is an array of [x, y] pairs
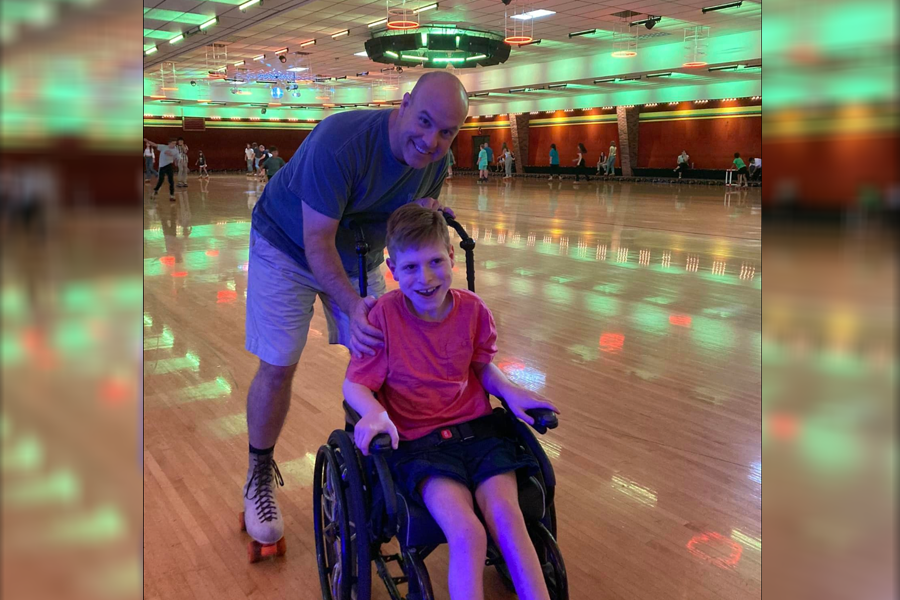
{"points": [[365, 339], [520, 399]]}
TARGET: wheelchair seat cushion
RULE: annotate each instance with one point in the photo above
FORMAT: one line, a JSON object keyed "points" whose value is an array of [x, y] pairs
{"points": [[418, 528], [470, 462]]}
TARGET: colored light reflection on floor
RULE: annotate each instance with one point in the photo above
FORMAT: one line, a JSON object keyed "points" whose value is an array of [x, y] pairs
{"points": [[27, 454], [188, 362], [523, 375], [680, 320], [207, 390], [782, 426], [299, 471], [229, 426], [163, 341], [600, 304], [715, 549], [612, 342], [226, 296], [747, 541], [59, 487], [643, 495], [756, 472]]}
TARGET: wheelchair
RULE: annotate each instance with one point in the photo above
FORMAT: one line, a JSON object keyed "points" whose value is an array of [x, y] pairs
{"points": [[356, 508]]}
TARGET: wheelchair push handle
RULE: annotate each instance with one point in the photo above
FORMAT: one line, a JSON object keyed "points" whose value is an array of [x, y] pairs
{"points": [[380, 444]]}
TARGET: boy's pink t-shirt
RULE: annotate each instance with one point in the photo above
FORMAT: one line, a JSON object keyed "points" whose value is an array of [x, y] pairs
{"points": [[423, 374]]}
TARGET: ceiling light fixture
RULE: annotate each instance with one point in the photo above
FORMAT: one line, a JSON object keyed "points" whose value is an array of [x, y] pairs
{"points": [[150, 51], [308, 43], [557, 86], [725, 68], [650, 22], [362, 54], [335, 36], [377, 23], [607, 80], [534, 14], [176, 39], [239, 63], [585, 32], [281, 51], [529, 43], [652, 75], [424, 8], [707, 9], [260, 57], [209, 23], [247, 5]]}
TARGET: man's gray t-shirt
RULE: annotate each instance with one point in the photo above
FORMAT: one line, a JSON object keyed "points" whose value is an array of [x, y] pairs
{"points": [[344, 170]]}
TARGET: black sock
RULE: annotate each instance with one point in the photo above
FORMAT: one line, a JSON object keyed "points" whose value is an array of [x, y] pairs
{"points": [[259, 451]]}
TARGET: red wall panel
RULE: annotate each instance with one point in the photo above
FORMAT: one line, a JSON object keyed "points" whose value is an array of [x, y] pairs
{"points": [[867, 164], [594, 136], [224, 147], [711, 143]]}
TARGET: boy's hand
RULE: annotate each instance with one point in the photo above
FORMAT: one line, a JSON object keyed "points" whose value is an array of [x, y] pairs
{"points": [[519, 400], [364, 338], [371, 425]]}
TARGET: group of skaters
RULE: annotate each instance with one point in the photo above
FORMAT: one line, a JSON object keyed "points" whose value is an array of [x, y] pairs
{"points": [[262, 162], [173, 164]]}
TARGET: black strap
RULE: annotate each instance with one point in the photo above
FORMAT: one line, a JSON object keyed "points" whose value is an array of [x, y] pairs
{"points": [[492, 425]]}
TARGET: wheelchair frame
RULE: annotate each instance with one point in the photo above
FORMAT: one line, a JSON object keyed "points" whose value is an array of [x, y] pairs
{"points": [[356, 509]]}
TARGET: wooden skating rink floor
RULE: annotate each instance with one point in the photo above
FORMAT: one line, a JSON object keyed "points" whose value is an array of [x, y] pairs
{"points": [[635, 307]]}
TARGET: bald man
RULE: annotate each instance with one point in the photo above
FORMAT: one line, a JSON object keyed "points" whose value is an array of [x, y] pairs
{"points": [[355, 165]]}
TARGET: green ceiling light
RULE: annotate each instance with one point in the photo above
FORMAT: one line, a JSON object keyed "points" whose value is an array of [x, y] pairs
{"points": [[446, 44]]}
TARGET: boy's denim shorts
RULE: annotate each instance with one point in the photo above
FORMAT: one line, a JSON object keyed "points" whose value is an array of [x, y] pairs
{"points": [[469, 462]]}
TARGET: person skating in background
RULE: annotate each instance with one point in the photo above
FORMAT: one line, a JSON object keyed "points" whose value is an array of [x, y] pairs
{"points": [[482, 163], [579, 161], [201, 165], [182, 163], [611, 160], [554, 163], [738, 163], [149, 157], [272, 164], [683, 163], [250, 157], [168, 154]]}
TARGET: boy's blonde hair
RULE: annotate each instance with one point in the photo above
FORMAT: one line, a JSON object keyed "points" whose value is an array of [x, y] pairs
{"points": [[413, 226]]}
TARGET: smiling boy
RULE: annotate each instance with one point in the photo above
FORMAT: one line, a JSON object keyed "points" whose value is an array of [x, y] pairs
{"points": [[434, 371]]}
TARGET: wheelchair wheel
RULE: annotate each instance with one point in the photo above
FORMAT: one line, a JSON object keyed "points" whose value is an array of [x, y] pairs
{"points": [[357, 511], [338, 551], [419, 581], [551, 561]]}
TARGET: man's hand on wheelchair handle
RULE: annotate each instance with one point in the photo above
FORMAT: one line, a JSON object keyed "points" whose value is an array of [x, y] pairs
{"points": [[372, 424], [434, 205]]}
